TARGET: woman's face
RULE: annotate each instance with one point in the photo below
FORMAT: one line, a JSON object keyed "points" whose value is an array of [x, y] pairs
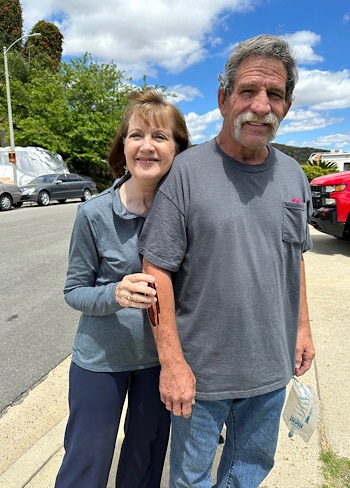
{"points": [[149, 151]]}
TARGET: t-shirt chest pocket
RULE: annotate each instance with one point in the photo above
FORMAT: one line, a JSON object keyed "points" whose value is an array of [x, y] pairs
{"points": [[294, 222]]}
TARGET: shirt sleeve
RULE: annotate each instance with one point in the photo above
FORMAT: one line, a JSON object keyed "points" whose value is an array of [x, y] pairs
{"points": [[163, 240], [80, 291]]}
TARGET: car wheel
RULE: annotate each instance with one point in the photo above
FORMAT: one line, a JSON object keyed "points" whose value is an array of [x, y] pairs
{"points": [[86, 195], [62, 200], [5, 202], [18, 204], [43, 198]]}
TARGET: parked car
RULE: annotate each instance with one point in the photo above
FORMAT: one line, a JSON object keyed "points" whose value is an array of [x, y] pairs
{"points": [[57, 186], [9, 196]]}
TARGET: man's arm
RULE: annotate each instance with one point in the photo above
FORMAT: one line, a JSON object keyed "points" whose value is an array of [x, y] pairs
{"points": [[305, 351], [177, 382]]}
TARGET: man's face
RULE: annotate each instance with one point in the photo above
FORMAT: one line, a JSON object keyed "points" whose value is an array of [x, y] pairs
{"points": [[256, 106]]}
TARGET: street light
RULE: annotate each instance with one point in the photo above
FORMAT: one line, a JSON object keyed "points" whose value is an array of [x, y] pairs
{"points": [[9, 108]]}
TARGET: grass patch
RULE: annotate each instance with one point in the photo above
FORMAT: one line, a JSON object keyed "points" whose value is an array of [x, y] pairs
{"points": [[336, 470]]}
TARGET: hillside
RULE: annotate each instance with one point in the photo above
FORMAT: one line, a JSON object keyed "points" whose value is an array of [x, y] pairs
{"points": [[301, 154]]}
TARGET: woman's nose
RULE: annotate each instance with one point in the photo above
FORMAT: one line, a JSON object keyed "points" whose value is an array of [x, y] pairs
{"points": [[147, 143]]}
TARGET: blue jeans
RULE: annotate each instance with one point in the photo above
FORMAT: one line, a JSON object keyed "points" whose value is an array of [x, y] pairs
{"points": [[252, 426]]}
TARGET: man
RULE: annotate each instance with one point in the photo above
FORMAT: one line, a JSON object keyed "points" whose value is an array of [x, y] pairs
{"points": [[224, 240]]}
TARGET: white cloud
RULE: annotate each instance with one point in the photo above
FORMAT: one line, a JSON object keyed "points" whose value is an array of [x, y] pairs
{"points": [[323, 90], [306, 120], [173, 35], [183, 93], [198, 124], [302, 44], [329, 141]]}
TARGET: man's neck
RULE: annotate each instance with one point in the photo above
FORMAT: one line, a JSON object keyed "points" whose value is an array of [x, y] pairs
{"points": [[243, 154]]}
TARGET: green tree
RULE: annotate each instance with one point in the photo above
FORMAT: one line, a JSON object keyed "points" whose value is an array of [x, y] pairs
{"points": [[11, 24], [96, 97], [45, 50], [312, 171], [74, 112], [323, 164], [41, 114]]}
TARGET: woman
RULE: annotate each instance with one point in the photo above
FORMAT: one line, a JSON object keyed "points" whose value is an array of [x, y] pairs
{"points": [[114, 353]]}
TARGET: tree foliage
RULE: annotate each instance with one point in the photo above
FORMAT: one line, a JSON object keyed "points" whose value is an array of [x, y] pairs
{"points": [[96, 96], [45, 50], [312, 171], [324, 164], [74, 112], [11, 24]]}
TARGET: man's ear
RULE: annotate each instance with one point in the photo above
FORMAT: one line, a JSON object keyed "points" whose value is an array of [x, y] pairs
{"points": [[286, 109], [222, 101]]}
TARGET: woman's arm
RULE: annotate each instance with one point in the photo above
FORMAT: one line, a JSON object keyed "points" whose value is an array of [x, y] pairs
{"points": [[80, 290]]}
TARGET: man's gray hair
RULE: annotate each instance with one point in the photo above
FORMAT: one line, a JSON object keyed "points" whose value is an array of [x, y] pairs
{"points": [[266, 46]]}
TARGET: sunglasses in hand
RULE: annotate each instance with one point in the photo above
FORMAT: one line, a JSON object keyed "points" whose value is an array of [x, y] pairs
{"points": [[153, 311]]}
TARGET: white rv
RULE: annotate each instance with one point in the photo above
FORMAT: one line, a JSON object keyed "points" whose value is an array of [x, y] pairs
{"points": [[341, 158]]}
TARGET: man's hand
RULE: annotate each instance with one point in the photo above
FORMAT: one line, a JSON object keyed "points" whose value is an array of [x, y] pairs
{"points": [[305, 352], [178, 388]]}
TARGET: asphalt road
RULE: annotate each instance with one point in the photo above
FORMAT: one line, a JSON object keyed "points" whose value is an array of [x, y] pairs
{"points": [[36, 325]]}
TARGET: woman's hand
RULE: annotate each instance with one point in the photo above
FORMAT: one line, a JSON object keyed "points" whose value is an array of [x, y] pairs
{"points": [[133, 291]]}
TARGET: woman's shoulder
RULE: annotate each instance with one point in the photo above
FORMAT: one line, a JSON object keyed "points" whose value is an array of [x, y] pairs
{"points": [[97, 203]]}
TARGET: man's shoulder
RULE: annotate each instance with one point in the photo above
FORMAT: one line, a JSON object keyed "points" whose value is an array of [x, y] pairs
{"points": [[196, 150], [195, 155], [282, 156]]}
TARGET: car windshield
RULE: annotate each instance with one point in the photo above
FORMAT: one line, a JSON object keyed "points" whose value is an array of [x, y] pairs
{"points": [[43, 179]]}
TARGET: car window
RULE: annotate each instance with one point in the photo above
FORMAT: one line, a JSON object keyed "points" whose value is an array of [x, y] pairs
{"points": [[43, 179], [62, 177], [73, 177]]}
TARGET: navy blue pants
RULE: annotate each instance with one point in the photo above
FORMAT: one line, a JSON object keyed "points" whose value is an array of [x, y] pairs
{"points": [[96, 401]]}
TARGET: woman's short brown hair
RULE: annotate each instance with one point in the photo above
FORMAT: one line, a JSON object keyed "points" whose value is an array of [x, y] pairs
{"points": [[151, 107]]}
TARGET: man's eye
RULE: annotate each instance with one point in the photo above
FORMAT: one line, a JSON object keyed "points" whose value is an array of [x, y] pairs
{"points": [[275, 96], [247, 93]]}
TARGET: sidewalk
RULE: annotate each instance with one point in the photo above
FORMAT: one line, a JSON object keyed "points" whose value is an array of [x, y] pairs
{"points": [[31, 436], [31, 432]]}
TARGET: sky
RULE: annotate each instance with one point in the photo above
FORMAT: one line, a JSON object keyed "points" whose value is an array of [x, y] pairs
{"points": [[184, 45]]}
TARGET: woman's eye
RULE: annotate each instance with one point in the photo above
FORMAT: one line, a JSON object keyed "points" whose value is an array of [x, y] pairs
{"points": [[160, 137], [135, 135]]}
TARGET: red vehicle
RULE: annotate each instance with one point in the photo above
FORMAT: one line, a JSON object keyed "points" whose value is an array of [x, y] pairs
{"points": [[331, 202]]}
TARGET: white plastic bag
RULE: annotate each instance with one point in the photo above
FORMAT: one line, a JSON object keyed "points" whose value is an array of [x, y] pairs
{"points": [[301, 410]]}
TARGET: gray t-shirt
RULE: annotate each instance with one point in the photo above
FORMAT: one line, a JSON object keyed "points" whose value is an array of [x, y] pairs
{"points": [[233, 235], [103, 249]]}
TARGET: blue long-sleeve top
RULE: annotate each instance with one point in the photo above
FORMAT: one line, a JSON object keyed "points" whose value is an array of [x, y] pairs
{"points": [[103, 249]]}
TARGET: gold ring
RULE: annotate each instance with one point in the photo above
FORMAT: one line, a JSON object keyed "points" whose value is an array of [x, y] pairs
{"points": [[130, 295]]}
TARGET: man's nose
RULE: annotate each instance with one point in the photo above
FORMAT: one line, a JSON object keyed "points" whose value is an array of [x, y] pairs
{"points": [[261, 104]]}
